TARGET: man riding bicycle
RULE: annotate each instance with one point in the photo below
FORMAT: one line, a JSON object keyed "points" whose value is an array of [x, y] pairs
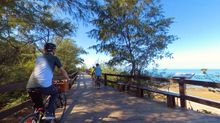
{"points": [[41, 80], [98, 74]]}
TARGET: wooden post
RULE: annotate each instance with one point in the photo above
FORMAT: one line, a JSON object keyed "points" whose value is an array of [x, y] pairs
{"points": [[118, 86], [123, 87], [182, 92], [138, 92], [129, 83], [141, 92], [128, 87], [105, 79], [170, 101]]}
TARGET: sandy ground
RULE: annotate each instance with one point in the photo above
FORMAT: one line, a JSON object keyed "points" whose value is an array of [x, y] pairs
{"points": [[206, 93]]}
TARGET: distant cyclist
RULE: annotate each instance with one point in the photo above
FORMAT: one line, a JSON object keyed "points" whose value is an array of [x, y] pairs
{"points": [[41, 80], [98, 74], [93, 73]]}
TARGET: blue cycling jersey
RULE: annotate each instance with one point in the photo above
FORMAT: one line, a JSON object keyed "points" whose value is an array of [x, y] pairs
{"points": [[98, 71]]}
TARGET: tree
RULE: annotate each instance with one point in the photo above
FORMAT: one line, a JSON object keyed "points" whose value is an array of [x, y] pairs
{"points": [[69, 53], [83, 68], [133, 32], [39, 21], [26, 25], [15, 65]]}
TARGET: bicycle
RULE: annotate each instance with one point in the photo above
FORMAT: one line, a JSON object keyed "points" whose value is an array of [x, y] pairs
{"points": [[61, 101]]}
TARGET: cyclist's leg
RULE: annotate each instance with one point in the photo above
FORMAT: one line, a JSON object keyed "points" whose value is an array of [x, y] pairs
{"points": [[36, 97], [52, 91], [98, 81]]}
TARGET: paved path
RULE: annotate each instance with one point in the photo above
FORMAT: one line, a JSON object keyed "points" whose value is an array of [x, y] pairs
{"points": [[90, 105]]}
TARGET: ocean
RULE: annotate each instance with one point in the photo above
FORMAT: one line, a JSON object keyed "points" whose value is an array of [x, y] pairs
{"points": [[211, 75]]}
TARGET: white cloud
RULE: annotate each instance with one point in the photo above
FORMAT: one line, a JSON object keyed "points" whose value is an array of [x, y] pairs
{"points": [[91, 59], [197, 59], [209, 58]]}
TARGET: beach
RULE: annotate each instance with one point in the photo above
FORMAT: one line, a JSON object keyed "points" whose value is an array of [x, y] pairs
{"points": [[201, 92]]}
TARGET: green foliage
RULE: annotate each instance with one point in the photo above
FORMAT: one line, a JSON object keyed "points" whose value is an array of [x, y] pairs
{"points": [[133, 32], [83, 68], [12, 98], [69, 54], [16, 63], [40, 21], [111, 70], [7, 53]]}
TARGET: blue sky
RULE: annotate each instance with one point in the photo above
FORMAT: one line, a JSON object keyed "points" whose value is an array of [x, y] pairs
{"points": [[196, 23]]}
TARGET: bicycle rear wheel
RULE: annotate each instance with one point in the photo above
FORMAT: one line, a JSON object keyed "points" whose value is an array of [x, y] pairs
{"points": [[31, 118], [61, 103]]}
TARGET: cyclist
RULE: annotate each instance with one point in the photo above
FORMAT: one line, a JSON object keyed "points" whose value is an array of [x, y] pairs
{"points": [[98, 73], [93, 73], [40, 80]]}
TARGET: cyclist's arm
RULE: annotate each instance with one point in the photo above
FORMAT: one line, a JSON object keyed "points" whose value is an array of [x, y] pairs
{"points": [[64, 73]]}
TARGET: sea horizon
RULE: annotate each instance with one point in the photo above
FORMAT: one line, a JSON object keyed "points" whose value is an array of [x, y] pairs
{"points": [[212, 75]]}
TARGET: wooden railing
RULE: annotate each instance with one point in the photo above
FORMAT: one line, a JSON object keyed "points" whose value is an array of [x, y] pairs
{"points": [[126, 85], [21, 86]]}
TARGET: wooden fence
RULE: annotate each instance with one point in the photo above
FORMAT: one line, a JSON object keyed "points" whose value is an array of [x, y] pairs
{"points": [[126, 85], [21, 86]]}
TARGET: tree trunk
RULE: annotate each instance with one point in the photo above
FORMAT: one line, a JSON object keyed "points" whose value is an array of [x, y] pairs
{"points": [[133, 69]]}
